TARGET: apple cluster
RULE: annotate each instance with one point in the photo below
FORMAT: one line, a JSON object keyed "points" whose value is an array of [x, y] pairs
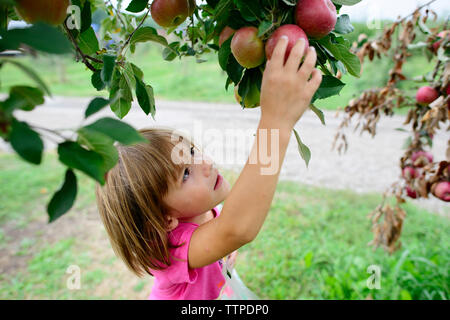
{"points": [[419, 159], [313, 19]]}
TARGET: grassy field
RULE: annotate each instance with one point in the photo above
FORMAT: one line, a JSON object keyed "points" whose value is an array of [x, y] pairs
{"points": [[188, 80], [313, 245]]}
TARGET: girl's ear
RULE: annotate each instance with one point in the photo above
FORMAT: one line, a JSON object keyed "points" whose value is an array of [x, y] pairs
{"points": [[172, 223]]}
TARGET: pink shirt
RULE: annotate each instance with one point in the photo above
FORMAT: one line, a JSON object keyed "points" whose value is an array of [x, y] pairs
{"points": [[178, 281]]}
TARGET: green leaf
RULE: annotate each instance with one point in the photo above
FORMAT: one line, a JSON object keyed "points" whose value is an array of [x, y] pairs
{"points": [[250, 10], [137, 71], [222, 9], [224, 53], [170, 52], [347, 2], [120, 95], [144, 94], [250, 88], [86, 17], [109, 62], [74, 156], [137, 5], [330, 86], [121, 106], [26, 142], [96, 80], [128, 75], [95, 105], [264, 27], [88, 42], [54, 40], [319, 113], [145, 34], [117, 130], [342, 53], [24, 97], [33, 75], [100, 143], [343, 25], [64, 198], [305, 153], [234, 69]]}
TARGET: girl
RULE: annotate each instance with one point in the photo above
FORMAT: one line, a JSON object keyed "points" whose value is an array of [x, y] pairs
{"points": [[160, 207]]}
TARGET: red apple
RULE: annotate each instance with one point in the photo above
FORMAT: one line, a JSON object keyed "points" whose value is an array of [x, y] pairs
{"points": [[53, 12], [426, 95], [171, 13], [441, 35], [442, 191], [421, 158], [411, 193], [293, 32], [225, 34], [247, 48], [316, 17], [410, 173]]}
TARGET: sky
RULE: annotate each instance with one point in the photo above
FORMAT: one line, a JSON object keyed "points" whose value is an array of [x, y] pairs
{"points": [[368, 10]]}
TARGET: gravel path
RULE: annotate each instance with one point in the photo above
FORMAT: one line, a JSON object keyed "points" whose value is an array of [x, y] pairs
{"points": [[370, 164]]}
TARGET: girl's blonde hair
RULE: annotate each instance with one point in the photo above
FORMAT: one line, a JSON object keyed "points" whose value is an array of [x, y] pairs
{"points": [[131, 203]]}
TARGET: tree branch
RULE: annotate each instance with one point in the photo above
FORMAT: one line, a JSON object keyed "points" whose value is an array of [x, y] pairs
{"points": [[77, 48], [419, 8], [131, 34]]}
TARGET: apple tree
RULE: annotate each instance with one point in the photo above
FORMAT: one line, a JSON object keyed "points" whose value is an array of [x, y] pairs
{"points": [[427, 99], [242, 34]]}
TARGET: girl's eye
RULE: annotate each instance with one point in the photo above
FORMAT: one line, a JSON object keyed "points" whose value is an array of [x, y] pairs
{"points": [[186, 171]]}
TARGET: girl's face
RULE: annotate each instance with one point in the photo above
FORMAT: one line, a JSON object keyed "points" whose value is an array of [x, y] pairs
{"points": [[194, 193]]}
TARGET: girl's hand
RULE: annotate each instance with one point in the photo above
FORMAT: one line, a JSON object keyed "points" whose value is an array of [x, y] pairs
{"points": [[285, 90]]}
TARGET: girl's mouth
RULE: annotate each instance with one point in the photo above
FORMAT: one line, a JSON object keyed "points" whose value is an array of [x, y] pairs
{"points": [[218, 181]]}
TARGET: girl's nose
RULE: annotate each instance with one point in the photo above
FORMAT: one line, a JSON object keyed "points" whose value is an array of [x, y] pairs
{"points": [[208, 165]]}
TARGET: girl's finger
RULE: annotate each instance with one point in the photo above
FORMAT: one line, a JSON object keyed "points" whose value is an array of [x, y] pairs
{"points": [[308, 65], [314, 82], [295, 55], [277, 59]]}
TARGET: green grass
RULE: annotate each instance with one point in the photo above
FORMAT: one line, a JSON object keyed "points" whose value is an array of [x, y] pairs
{"points": [[31, 182], [47, 274], [313, 245]]}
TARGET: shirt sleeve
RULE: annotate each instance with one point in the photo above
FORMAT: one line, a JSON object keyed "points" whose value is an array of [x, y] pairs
{"points": [[179, 271]]}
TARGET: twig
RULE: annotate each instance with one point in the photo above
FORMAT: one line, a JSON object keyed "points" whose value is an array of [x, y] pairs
{"points": [[77, 48], [419, 8], [118, 14], [50, 131], [131, 34], [93, 59]]}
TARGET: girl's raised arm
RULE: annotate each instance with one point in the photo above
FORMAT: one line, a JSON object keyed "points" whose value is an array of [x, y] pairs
{"points": [[286, 93]]}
